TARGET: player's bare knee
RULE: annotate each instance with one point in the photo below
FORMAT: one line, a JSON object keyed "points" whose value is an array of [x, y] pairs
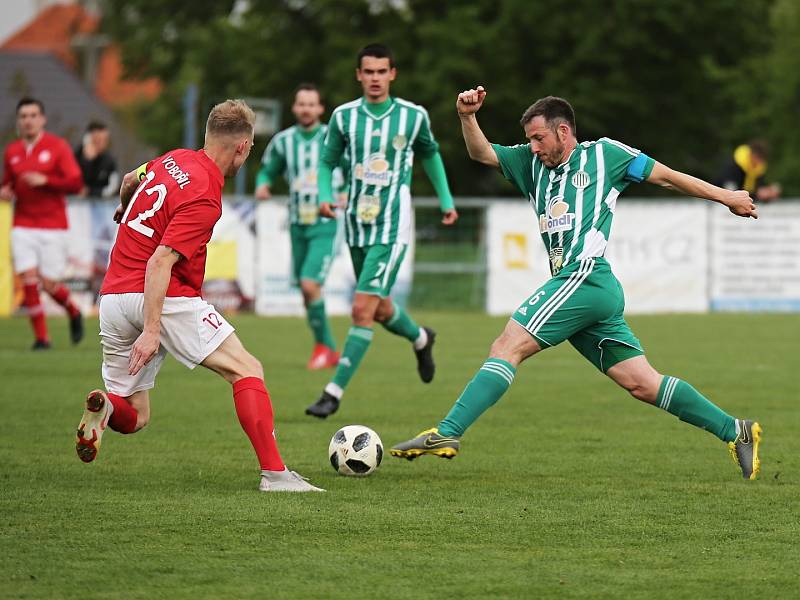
{"points": [[384, 313], [310, 289], [248, 366], [363, 316]]}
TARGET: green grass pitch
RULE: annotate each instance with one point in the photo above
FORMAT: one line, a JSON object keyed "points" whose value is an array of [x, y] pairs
{"points": [[567, 488]]}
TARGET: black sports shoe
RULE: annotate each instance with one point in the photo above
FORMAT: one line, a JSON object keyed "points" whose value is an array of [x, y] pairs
{"points": [[76, 328], [425, 366], [41, 345], [325, 406]]}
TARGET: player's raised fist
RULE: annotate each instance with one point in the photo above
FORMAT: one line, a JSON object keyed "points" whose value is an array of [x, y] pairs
{"points": [[740, 203], [470, 101]]}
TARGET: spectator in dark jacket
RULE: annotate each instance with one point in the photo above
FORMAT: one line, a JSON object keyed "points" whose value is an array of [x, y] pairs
{"points": [[746, 170], [99, 168]]}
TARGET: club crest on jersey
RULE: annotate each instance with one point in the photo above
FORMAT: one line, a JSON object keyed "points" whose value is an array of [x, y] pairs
{"points": [[556, 217], [581, 180], [399, 142], [44, 156], [375, 172]]}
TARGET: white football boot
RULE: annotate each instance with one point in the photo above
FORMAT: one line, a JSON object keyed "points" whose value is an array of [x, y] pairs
{"points": [[285, 481]]}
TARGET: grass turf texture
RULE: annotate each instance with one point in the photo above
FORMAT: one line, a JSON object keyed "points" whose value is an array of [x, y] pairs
{"points": [[568, 487]]}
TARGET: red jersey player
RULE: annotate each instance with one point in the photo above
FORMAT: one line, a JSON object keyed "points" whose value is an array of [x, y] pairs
{"points": [[150, 299], [38, 169]]}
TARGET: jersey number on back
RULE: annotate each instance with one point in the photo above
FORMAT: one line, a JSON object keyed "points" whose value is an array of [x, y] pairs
{"points": [[137, 224]]}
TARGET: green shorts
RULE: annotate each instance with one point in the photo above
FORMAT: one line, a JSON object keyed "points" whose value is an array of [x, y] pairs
{"points": [[583, 304], [376, 267], [313, 250]]}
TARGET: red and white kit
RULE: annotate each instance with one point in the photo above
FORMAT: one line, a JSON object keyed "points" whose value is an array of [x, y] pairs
{"points": [[40, 213], [177, 204]]}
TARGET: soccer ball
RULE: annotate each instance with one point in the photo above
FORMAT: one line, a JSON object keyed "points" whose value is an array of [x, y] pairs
{"points": [[355, 450]]}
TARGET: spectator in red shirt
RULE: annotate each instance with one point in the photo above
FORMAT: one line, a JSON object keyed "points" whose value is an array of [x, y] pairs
{"points": [[150, 300], [38, 169]]}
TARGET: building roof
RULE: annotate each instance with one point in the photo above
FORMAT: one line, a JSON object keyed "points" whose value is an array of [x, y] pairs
{"points": [[57, 27], [68, 103]]}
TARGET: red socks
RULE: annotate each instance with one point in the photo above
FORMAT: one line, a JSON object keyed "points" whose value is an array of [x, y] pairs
{"points": [[254, 410], [35, 310], [61, 295], [124, 417]]}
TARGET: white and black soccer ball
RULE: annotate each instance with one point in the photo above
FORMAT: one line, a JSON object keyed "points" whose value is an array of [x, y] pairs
{"points": [[355, 450]]}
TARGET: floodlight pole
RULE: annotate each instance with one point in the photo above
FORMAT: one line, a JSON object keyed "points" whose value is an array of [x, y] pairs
{"points": [[190, 97]]}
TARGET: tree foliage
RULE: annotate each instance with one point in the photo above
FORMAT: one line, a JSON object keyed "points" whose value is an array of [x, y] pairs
{"points": [[684, 81]]}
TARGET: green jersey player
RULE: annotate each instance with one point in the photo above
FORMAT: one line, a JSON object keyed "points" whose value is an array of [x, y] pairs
{"points": [[381, 134], [294, 153], [573, 188]]}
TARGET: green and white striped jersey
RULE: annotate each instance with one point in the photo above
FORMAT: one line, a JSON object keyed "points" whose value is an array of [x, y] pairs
{"points": [[381, 151], [295, 154], [575, 202]]}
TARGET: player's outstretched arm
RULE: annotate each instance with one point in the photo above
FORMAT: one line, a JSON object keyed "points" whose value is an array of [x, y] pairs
{"points": [[738, 202], [156, 282], [468, 103]]}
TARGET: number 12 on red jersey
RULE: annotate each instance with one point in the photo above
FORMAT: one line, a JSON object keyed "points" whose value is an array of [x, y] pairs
{"points": [[137, 224]]}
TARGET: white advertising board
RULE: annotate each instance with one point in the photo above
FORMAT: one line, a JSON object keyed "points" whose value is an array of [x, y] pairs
{"points": [[755, 264], [657, 251]]}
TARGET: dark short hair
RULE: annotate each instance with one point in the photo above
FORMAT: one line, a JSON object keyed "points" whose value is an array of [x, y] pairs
{"points": [[555, 110], [309, 87], [27, 100], [759, 148], [375, 51], [96, 126]]}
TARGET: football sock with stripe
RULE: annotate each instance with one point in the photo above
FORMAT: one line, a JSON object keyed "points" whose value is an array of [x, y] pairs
{"points": [[124, 417], [318, 322], [355, 347], [254, 409], [680, 399], [486, 388], [402, 324]]}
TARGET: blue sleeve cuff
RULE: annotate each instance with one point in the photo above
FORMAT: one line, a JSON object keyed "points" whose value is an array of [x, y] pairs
{"points": [[640, 168]]}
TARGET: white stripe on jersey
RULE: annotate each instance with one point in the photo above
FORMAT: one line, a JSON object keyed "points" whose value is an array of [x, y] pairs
{"points": [[387, 213], [354, 201], [367, 150], [384, 140], [601, 182], [628, 149], [578, 211]]}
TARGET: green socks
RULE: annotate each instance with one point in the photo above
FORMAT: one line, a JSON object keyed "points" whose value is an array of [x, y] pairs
{"points": [[680, 399], [355, 347], [318, 321], [489, 383], [402, 324]]}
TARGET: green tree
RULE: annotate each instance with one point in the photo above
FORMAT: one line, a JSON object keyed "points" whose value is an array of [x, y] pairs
{"points": [[668, 76]]}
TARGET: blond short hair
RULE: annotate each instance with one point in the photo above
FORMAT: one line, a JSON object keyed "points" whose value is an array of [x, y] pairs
{"points": [[232, 117]]}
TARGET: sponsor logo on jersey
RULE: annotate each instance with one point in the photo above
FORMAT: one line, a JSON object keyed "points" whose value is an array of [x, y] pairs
{"points": [[44, 156], [305, 183], [375, 172], [376, 283], [523, 310], [15, 160], [399, 142], [581, 180], [180, 176], [557, 218]]}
